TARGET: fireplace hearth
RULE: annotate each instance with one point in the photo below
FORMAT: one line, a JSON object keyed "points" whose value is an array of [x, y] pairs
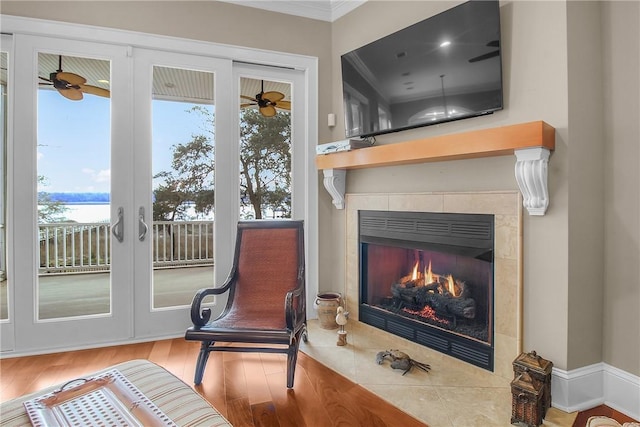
{"points": [[428, 277]]}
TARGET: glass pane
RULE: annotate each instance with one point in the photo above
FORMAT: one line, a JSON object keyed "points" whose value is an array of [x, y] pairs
{"points": [[183, 184], [74, 152], [4, 285], [265, 149]]}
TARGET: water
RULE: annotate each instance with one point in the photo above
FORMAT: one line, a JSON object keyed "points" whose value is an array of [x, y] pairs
{"points": [[99, 212], [87, 213]]}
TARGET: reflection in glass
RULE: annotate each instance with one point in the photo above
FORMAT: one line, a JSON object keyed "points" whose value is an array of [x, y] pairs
{"points": [[183, 160], [265, 149], [73, 177]]}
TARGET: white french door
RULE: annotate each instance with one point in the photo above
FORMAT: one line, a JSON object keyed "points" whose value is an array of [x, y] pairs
{"points": [[182, 105], [109, 118], [70, 144]]}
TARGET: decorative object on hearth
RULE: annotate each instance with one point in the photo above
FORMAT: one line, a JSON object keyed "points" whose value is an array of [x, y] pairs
{"points": [[341, 319], [526, 400], [540, 370], [326, 305], [400, 360]]}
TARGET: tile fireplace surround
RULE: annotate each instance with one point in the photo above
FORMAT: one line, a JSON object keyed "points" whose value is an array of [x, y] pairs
{"points": [[454, 393]]}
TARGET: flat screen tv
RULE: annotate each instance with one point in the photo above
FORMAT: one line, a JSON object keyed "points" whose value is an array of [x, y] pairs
{"points": [[447, 67]]}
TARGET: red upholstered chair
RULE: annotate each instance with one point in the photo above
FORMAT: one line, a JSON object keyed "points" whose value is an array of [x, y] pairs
{"points": [[266, 303]]}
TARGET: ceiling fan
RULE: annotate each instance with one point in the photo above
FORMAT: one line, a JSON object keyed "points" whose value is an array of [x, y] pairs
{"points": [[71, 85], [267, 102], [492, 54]]}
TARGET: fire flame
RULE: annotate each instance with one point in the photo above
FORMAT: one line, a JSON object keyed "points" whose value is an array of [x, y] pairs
{"points": [[452, 287], [446, 284], [429, 277], [414, 275]]}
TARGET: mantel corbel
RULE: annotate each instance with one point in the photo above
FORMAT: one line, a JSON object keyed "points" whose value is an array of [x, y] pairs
{"points": [[531, 175], [334, 183], [531, 143]]}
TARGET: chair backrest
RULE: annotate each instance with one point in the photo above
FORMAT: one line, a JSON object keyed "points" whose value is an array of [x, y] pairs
{"points": [[268, 261]]}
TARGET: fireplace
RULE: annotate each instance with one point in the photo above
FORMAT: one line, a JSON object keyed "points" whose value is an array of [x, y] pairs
{"points": [[428, 277]]}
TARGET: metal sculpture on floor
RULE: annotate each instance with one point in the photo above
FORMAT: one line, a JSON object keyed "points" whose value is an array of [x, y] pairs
{"points": [[400, 360]]}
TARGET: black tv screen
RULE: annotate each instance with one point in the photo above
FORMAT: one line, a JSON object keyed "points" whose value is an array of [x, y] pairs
{"points": [[447, 67]]}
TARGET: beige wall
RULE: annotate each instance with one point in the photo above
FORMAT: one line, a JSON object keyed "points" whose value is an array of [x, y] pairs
{"points": [[621, 64], [575, 313], [211, 21], [581, 287], [535, 78]]}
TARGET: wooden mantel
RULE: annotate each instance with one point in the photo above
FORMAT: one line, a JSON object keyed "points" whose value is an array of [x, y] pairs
{"points": [[531, 142]]}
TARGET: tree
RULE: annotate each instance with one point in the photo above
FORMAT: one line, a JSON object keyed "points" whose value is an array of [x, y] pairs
{"points": [[49, 210], [265, 168], [265, 162]]}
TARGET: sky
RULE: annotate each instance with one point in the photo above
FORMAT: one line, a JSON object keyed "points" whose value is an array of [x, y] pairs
{"points": [[74, 140]]}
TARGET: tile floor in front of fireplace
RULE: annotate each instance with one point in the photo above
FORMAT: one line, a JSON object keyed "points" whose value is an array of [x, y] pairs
{"points": [[453, 394]]}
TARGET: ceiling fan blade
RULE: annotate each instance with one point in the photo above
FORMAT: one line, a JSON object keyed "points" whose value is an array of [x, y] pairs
{"points": [[71, 93], [249, 98], [71, 78], [45, 79], [95, 90], [247, 105], [272, 96], [485, 56], [268, 111], [285, 105]]}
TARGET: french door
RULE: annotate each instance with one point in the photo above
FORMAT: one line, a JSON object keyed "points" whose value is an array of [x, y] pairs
{"points": [[133, 127], [71, 135], [183, 121]]}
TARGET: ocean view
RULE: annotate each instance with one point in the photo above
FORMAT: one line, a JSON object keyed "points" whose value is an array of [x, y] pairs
{"points": [[87, 212]]}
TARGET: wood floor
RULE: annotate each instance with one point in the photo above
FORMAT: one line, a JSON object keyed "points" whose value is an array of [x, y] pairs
{"points": [[249, 389], [581, 419]]}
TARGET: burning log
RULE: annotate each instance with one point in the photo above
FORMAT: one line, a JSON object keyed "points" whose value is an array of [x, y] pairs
{"points": [[447, 305], [434, 295]]}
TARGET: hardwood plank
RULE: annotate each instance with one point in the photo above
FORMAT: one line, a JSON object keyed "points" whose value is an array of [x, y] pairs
{"points": [[235, 383], [312, 408], [240, 413], [264, 415], [316, 387], [257, 388], [287, 408], [349, 403]]}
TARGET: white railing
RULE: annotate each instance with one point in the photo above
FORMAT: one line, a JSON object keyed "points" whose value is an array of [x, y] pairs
{"points": [[84, 247]]}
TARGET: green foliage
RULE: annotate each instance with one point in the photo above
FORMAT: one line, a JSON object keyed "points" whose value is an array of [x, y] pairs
{"points": [[49, 210], [265, 162], [265, 169]]}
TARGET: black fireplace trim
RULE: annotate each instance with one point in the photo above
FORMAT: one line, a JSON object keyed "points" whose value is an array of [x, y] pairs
{"points": [[469, 235], [476, 353]]}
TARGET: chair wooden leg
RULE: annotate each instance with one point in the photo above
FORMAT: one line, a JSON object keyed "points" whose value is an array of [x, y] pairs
{"points": [[203, 356], [292, 358]]}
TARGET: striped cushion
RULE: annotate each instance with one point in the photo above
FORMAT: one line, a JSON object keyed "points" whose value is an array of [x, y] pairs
{"points": [[175, 398]]}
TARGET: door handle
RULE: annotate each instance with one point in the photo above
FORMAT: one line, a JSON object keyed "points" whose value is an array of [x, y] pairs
{"points": [[118, 228], [143, 228]]}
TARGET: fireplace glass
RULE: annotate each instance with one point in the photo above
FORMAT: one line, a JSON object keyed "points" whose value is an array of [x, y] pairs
{"points": [[428, 277]]}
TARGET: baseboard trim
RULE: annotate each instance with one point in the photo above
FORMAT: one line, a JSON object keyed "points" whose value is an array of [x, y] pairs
{"points": [[593, 385]]}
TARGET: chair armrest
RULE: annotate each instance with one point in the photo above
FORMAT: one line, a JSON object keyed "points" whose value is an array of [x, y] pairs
{"points": [[295, 305], [200, 316]]}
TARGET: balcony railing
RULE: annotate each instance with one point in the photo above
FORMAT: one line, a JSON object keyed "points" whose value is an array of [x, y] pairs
{"points": [[84, 247]]}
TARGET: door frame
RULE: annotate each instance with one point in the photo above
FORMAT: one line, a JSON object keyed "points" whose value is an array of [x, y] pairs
{"points": [[129, 40], [29, 331], [173, 321]]}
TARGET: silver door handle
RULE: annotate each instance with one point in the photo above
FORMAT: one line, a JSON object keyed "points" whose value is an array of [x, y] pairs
{"points": [[118, 228], [143, 228]]}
